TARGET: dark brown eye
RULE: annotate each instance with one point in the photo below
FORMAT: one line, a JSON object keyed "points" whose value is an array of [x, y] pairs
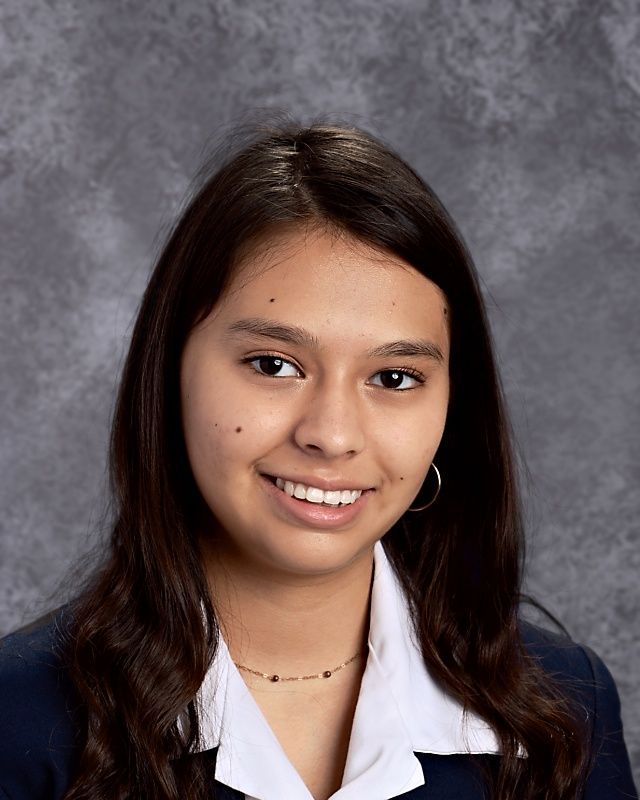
{"points": [[269, 365], [274, 367], [398, 379], [391, 380]]}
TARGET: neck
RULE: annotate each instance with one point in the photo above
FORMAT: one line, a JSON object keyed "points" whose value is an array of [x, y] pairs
{"points": [[290, 625]]}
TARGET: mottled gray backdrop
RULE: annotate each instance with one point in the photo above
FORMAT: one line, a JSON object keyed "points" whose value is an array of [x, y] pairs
{"points": [[523, 115]]}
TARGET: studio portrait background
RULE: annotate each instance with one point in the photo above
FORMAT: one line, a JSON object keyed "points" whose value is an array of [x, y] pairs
{"points": [[524, 117]]}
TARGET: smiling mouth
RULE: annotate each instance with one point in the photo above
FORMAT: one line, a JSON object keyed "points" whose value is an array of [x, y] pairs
{"points": [[312, 494]]}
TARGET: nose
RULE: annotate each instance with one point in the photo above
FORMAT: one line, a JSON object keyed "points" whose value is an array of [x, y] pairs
{"points": [[331, 424]]}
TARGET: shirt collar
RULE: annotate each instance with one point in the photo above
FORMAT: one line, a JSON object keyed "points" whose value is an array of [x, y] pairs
{"points": [[435, 721], [400, 710]]}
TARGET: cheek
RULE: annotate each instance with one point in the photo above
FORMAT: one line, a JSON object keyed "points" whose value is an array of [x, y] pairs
{"points": [[411, 447], [204, 430], [410, 460], [224, 427]]}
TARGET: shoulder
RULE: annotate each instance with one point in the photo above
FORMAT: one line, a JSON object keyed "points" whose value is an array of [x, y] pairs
{"points": [[556, 653], [39, 727], [586, 680], [572, 666]]}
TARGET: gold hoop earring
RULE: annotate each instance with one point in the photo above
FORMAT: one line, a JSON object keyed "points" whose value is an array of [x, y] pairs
{"points": [[433, 499]]}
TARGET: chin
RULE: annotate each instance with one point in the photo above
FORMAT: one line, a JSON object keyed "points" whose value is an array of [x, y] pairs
{"points": [[311, 553]]}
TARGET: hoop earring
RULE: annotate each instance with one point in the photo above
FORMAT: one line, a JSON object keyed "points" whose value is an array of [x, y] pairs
{"points": [[433, 499]]}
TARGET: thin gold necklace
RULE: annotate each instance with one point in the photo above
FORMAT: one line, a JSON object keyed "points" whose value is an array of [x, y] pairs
{"points": [[275, 678]]}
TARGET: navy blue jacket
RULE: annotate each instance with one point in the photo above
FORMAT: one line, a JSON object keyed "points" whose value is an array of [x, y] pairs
{"points": [[39, 729]]}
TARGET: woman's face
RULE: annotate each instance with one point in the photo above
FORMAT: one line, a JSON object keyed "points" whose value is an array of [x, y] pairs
{"points": [[322, 373]]}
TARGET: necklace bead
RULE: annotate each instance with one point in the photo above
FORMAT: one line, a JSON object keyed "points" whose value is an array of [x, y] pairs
{"points": [[275, 678]]}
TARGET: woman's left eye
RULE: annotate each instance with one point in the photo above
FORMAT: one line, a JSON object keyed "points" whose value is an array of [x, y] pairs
{"points": [[274, 367], [398, 379]]}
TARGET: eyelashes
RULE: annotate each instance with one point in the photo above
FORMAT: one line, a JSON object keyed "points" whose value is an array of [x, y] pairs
{"points": [[395, 378], [274, 366], [398, 379]]}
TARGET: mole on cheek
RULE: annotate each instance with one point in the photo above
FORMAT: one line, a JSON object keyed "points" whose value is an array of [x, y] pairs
{"points": [[272, 299], [238, 429], [401, 478]]}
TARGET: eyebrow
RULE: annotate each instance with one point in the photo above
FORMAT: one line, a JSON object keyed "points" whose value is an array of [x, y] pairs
{"points": [[293, 334], [269, 329], [408, 348]]}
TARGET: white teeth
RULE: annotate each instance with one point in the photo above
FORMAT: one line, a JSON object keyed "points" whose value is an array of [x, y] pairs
{"points": [[332, 498], [314, 495]]}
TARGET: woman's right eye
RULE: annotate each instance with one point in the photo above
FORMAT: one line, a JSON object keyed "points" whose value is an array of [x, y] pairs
{"points": [[274, 367]]}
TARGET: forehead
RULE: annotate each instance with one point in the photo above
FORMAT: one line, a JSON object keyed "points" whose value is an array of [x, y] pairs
{"points": [[336, 286]]}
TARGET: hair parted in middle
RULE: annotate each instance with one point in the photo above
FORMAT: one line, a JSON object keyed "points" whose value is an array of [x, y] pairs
{"points": [[460, 562]]}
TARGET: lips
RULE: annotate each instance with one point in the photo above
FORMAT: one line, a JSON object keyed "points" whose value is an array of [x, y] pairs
{"points": [[319, 491], [313, 494], [313, 510]]}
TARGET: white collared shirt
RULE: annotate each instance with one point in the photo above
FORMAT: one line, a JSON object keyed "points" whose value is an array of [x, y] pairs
{"points": [[400, 711]]}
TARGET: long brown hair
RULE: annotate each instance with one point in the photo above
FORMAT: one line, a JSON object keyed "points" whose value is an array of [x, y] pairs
{"points": [[144, 628]]}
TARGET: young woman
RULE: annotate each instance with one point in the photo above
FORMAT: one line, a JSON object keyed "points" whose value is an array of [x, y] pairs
{"points": [[312, 585]]}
